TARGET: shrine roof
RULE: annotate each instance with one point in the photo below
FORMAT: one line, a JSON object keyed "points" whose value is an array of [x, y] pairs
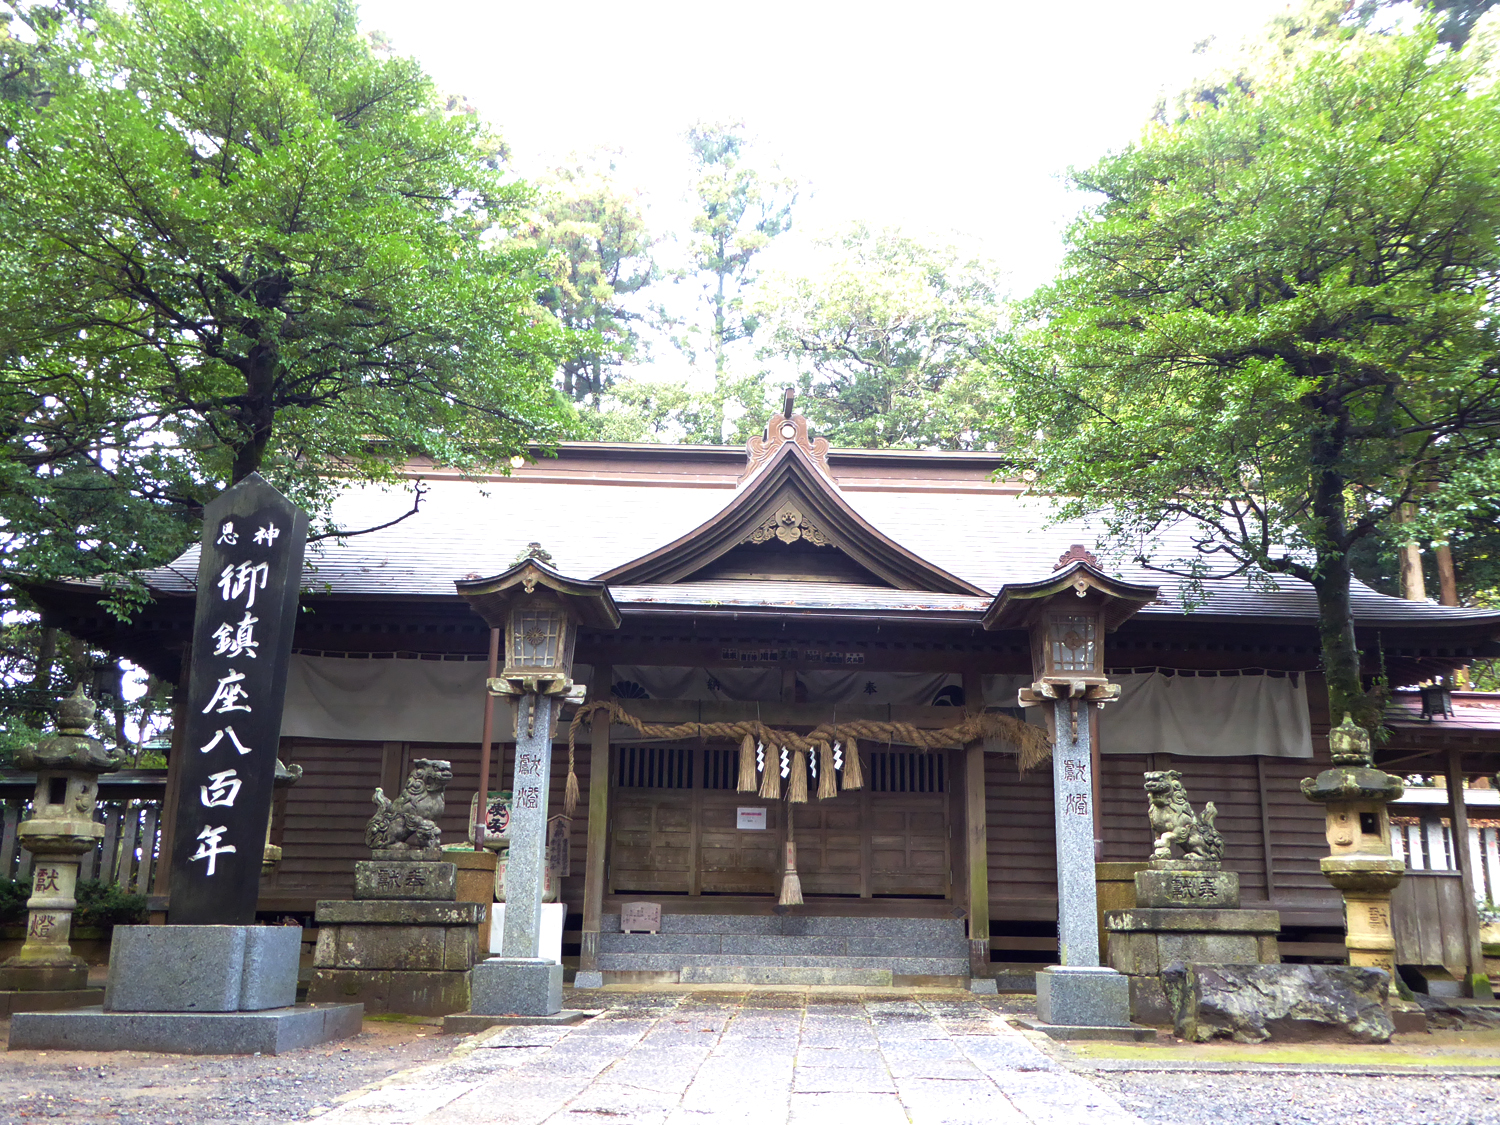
{"points": [[600, 508]]}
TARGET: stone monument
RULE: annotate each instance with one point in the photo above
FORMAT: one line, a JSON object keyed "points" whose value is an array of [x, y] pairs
{"points": [[1067, 617], [404, 943], [212, 981], [539, 611], [44, 975], [1187, 906]]}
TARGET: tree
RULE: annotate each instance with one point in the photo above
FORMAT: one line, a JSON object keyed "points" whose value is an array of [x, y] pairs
{"points": [[891, 338], [598, 253], [739, 211], [1276, 325], [233, 239]]}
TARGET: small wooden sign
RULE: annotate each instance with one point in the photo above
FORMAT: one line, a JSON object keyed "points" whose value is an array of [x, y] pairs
{"points": [[751, 818], [640, 917]]}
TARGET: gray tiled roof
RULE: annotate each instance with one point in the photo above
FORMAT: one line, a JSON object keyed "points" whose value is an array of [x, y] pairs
{"points": [[987, 537]]}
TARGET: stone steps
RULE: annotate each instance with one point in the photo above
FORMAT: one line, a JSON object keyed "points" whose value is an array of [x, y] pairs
{"points": [[746, 949]]}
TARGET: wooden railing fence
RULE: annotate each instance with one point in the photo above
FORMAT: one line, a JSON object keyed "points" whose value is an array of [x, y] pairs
{"points": [[129, 808]]}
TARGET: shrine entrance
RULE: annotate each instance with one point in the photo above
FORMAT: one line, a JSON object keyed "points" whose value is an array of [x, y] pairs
{"points": [[678, 827]]}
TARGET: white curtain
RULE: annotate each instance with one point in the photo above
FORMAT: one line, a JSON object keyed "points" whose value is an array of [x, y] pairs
{"points": [[1195, 716], [659, 681]]}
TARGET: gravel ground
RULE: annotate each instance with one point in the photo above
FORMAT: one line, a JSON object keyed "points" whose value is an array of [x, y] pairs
{"points": [[1303, 1099], [126, 1088]]}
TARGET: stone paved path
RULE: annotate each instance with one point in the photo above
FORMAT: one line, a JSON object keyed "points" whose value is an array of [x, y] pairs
{"points": [[757, 1058]]}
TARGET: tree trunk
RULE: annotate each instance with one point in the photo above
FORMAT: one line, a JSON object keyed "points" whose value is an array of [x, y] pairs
{"points": [[1341, 657], [41, 679], [257, 419], [1447, 576], [1413, 582]]}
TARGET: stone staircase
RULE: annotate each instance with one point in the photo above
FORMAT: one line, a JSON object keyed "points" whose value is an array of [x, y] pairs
{"points": [[785, 949]]}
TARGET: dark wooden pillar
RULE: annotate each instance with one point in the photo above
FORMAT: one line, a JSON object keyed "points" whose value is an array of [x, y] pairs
{"points": [[598, 830], [976, 839], [162, 879], [1475, 982]]}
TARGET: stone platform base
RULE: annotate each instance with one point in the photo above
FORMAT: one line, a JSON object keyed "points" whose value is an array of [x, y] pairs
{"points": [[517, 986], [466, 1023], [984, 986], [1130, 1033], [56, 1000], [784, 974], [412, 992], [1082, 996], [185, 1033]]}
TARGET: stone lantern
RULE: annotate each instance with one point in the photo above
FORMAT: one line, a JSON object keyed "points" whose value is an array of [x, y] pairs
{"points": [[61, 829], [1360, 864], [539, 612], [1066, 617]]}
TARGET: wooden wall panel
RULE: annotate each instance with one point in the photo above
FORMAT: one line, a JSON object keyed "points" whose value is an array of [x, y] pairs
{"points": [[326, 813], [1021, 842], [734, 862], [830, 843], [909, 844]]}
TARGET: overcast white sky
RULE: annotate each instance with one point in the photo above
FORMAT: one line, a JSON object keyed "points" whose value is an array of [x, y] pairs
{"points": [[935, 117]]}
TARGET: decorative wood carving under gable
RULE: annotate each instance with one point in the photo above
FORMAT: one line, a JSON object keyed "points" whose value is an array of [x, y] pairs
{"points": [[781, 430], [788, 524], [791, 500]]}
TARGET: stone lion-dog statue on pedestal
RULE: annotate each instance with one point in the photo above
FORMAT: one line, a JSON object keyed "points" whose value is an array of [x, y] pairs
{"points": [[410, 820], [1174, 822]]}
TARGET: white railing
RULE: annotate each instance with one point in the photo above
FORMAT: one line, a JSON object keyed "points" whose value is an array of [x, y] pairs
{"points": [[1428, 845]]}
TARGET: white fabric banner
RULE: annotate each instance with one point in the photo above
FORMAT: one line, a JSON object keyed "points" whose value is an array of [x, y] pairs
{"points": [[388, 700], [1194, 716]]}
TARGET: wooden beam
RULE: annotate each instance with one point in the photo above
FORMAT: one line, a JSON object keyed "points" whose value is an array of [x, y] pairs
{"points": [[598, 830], [1268, 855], [1475, 982], [162, 882], [976, 835]]}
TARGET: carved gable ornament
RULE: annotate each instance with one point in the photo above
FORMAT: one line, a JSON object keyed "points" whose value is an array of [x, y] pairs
{"points": [[788, 524], [783, 429]]}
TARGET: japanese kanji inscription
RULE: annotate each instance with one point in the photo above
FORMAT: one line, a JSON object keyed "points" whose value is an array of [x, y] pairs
{"points": [[249, 574]]}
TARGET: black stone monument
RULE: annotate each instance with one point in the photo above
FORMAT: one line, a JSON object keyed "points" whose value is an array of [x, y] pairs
{"points": [[249, 576]]}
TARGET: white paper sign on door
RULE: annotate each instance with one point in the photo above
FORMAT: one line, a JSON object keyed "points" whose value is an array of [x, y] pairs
{"points": [[751, 818]]}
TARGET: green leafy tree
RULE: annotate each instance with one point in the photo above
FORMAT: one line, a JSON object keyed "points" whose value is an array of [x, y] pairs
{"points": [[599, 253], [1276, 324], [892, 340], [235, 239], [740, 209]]}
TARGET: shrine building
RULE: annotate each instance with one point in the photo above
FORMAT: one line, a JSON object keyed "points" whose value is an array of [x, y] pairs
{"points": [[795, 585]]}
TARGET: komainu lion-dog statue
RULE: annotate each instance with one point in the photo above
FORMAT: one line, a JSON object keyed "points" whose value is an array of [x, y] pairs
{"points": [[409, 820], [1174, 822]]}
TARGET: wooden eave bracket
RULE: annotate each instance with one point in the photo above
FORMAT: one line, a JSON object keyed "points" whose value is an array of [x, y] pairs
{"points": [[588, 599], [1017, 603]]}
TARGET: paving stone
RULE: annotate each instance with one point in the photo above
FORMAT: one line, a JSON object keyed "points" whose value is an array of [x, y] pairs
{"points": [[840, 1057], [937, 1102], [830, 1079], [844, 1107]]}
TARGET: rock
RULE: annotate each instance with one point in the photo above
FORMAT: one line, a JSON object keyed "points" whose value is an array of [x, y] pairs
{"points": [[1253, 1003]]}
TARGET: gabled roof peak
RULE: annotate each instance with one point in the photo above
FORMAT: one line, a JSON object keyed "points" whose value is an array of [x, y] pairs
{"points": [[787, 428]]}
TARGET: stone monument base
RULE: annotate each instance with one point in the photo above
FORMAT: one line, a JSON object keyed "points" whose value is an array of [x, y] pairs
{"points": [[185, 1033], [1143, 942], [45, 1000], [517, 986], [70, 975], [1082, 996], [393, 955], [202, 968]]}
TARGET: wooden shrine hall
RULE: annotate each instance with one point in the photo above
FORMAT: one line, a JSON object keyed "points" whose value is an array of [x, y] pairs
{"points": [[794, 585]]}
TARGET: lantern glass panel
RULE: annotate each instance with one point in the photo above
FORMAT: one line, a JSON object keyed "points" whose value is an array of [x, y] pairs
{"points": [[537, 639], [1071, 643]]}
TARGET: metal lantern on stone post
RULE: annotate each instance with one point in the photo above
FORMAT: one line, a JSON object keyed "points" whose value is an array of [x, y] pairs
{"points": [[61, 829], [538, 611], [1066, 617], [1361, 863]]}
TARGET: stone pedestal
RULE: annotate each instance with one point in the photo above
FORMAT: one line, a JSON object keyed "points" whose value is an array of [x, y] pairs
{"points": [[200, 990], [476, 883], [1186, 911], [517, 986], [1082, 996], [404, 944]]}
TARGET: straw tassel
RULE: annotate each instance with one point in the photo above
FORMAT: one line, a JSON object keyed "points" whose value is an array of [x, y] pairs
{"points": [[570, 791], [854, 777], [791, 883], [796, 788], [747, 765], [827, 785], [770, 786]]}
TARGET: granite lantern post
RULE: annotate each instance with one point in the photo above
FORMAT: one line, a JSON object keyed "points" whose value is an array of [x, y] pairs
{"points": [[1066, 617], [539, 612], [45, 974], [1361, 863]]}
